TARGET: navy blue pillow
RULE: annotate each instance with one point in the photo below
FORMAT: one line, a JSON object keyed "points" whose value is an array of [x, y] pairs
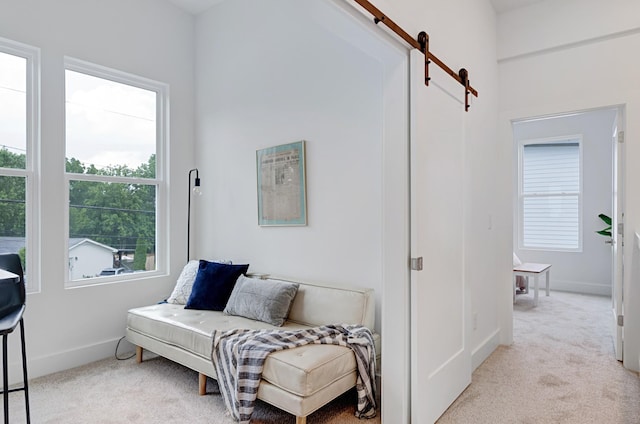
{"points": [[213, 285]]}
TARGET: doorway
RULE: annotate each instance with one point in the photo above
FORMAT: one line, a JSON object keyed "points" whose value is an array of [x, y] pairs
{"points": [[583, 261]]}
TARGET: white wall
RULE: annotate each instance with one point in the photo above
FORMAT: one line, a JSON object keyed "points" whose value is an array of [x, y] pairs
{"points": [[588, 271], [599, 71], [299, 82], [266, 77], [279, 80], [545, 26], [70, 327]]}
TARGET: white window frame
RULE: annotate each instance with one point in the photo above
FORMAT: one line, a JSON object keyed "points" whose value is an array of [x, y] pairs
{"points": [[160, 180], [569, 139], [31, 173]]}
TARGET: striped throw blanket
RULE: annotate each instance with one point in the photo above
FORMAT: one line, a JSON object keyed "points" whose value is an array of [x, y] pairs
{"points": [[239, 355]]}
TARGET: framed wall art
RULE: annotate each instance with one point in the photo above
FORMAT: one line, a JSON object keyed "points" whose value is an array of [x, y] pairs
{"points": [[282, 198]]}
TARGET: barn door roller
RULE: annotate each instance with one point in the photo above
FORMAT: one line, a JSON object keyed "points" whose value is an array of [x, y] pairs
{"points": [[422, 44]]}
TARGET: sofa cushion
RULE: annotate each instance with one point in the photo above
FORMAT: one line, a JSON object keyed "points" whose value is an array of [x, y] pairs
{"points": [[316, 304], [308, 369], [213, 285], [263, 300], [188, 328], [303, 370]]}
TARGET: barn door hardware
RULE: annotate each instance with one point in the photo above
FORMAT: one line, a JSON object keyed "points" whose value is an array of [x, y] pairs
{"points": [[422, 44]]}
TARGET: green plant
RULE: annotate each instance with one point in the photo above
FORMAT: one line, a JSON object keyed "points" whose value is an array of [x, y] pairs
{"points": [[140, 256], [606, 231]]}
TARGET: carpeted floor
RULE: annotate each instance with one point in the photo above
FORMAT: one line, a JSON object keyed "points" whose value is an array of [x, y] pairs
{"points": [[560, 369], [157, 391]]}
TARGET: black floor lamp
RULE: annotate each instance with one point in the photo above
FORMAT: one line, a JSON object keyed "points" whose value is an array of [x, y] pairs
{"points": [[196, 190]]}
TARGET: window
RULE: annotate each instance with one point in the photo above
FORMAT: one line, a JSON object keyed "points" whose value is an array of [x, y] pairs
{"points": [[550, 194], [18, 152], [114, 142]]}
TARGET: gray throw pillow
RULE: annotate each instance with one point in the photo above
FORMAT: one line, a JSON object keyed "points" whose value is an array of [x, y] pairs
{"points": [[262, 300]]}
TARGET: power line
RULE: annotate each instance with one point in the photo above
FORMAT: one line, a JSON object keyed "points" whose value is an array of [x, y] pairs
{"points": [[106, 208], [13, 148], [12, 89], [112, 209], [111, 111]]}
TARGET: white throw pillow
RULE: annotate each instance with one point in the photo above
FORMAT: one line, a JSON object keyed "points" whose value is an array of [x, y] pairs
{"points": [[182, 290], [184, 284]]}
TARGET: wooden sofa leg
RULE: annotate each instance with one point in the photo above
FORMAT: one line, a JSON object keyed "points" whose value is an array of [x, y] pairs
{"points": [[202, 384], [301, 420], [138, 354]]}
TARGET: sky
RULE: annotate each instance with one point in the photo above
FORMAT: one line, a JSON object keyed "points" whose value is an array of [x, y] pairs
{"points": [[107, 123], [12, 103]]}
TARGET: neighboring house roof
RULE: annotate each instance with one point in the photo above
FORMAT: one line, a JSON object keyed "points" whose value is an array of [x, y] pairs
{"points": [[76, 242], [14, 244]]}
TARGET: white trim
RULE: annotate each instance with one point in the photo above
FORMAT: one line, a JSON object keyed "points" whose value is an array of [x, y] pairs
{"points": [[395, 296], [64, 360], [84, 67], [485, 349], [569, 46], [506, 119], [160, 181], [31, 173], [582, 287], [573, 138]]}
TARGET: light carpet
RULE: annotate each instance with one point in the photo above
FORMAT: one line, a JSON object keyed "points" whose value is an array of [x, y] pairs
{"points": [[561, 368], [157, 391]]}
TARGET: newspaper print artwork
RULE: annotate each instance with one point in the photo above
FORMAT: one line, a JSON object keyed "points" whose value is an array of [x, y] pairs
{"points": [[281, 185]]}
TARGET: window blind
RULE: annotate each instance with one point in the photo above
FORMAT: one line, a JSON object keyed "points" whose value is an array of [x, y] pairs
{"points": [[550, 196]]}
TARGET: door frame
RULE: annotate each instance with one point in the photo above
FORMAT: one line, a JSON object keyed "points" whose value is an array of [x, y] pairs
{"points": [[617, 251], [395, 296], [505, 129]]}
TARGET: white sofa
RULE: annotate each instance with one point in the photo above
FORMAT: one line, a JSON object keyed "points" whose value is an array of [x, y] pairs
{"points": [[299, 380]]}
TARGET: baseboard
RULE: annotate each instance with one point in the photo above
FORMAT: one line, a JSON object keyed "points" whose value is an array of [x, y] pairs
{"points": [[486, 348], [578, 287], [60, 361]]}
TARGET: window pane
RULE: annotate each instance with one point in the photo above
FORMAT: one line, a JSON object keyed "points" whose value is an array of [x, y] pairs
{"points": [[111, 226], [13, 111], [12, 216], [551, 168], [551, 222], [109, 124], [551, 195]]}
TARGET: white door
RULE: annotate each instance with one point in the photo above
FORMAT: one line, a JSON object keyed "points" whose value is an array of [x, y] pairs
{"points": [[617, 242], [440, 357]]}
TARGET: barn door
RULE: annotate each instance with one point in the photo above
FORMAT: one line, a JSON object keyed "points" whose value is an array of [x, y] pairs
{"points": [[440, 357]]}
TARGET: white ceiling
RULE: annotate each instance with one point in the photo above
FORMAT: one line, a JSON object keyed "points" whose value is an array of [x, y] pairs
{"points": [[502, 6], [197, 6]]}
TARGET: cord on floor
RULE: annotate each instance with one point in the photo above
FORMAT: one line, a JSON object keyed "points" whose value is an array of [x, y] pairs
{"points": [[122, 358]]}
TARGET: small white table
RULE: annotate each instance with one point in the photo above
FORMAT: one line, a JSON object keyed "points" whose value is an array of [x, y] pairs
{"points": [[531, 270]]}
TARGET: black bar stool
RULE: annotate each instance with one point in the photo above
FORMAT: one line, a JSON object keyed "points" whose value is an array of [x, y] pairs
{"points": [[12, 306]]}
